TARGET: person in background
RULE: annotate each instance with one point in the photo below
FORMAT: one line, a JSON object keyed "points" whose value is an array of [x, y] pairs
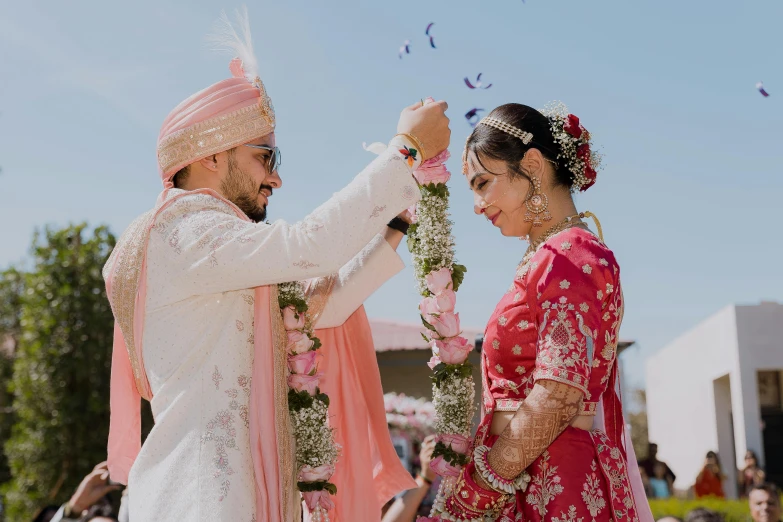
{"points": [[751, 475], [703, 515], [44, 515], [646, 483], [710, 479], [764, 500], [405, 508], [93, 488], [669, 519], [660, 482], [648, 464]]}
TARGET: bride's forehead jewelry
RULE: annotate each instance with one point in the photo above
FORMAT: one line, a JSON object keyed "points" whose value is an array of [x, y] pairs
{"points": [[465, 157], [500, 125], [526, 137]]}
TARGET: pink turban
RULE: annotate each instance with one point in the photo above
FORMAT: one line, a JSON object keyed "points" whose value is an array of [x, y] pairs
{"points": [[220, 117]]}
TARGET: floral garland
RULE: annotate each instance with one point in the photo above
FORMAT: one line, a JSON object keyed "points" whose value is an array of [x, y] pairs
{"points": [[413, 417], [574, 141], [316, 450], [432, 247]]}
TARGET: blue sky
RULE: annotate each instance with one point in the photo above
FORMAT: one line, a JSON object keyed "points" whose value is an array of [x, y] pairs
{"points": [[689, 196]]}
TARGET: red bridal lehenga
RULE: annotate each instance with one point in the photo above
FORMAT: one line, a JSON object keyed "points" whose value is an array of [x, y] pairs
{"points": [[560, 321]]}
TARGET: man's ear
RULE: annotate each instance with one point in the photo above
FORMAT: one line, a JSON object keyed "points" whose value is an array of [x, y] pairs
{"points": [[210, 163]]}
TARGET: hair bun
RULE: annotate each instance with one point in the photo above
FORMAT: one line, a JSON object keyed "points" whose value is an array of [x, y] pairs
{"points": [[575, 146]]}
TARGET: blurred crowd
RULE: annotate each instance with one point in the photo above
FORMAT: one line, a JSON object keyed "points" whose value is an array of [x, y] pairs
{"points": [[91, 501], [659, 479]]}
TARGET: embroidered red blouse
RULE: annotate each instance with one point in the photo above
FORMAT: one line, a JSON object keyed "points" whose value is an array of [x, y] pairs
{"points": [[559, 321]]}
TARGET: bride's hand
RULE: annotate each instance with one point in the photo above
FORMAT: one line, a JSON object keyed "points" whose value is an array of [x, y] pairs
{"points": [[406, 216]]}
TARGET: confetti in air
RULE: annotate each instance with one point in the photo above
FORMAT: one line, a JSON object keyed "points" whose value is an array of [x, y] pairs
{"points": [[472, 116], [760, 87], [478, 84], [405, 49], [427, 32]]}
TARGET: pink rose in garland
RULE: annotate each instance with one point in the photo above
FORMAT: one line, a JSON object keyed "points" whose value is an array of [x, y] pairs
{"points": [[458, 443], [299, 342], [433, 362], [446, 300], [443, 468], [439, 281], [432, 306], [311, 474], [446, 325], [305, 363], [428, 308], [315, 499], [433, 171], [308, 383], [453, 351]]}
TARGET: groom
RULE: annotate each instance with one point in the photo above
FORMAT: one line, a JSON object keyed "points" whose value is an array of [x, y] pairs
{"points": [[192, 284]]}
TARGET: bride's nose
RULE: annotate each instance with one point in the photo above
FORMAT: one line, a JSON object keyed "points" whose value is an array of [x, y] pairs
{"points": [[479, 205]]}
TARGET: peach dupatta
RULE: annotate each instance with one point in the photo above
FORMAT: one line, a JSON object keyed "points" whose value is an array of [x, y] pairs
{"points": [[369, 472]]}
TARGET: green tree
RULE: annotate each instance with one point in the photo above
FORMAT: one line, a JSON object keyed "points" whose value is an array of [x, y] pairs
{"points": [[61, 370], [11, 289]]}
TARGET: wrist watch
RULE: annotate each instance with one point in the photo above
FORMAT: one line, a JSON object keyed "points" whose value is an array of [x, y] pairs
{"points": [[397, 223]]}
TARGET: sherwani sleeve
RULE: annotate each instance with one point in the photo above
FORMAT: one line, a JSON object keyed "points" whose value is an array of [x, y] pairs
{"points": [[359, 279], [216, 251]]}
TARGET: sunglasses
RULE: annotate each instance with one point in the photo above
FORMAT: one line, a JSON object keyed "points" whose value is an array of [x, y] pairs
{"points": [[274, 161]]}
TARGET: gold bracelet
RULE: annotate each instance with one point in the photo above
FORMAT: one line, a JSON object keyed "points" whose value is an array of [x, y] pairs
{"points": [[416, 142]]}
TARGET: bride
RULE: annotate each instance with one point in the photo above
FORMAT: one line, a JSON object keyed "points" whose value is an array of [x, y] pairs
{"points": [[551, 446]]}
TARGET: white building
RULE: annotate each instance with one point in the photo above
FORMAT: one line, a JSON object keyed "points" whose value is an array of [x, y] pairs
{"points": [[718, 387]]}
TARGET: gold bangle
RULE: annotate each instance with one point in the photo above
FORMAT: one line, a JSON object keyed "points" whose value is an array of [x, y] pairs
{"points": [[415, 142]]}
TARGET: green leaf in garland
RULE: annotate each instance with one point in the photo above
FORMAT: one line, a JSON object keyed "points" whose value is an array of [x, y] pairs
{"points": [[316, 343], [426, 339], [444, 371], [432, 190], [323, 398], [427, 325], [458, 275], [321, 485], [299, 399], [449, 455]]}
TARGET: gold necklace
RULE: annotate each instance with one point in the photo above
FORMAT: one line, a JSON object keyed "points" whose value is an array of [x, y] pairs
{"points": [[570, 221]]}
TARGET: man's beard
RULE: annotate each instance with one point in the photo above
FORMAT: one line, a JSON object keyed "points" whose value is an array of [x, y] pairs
{"points": [[241, 190]]}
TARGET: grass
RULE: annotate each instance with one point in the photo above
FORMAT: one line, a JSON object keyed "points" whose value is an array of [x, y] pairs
{"points": [[732, 510]]}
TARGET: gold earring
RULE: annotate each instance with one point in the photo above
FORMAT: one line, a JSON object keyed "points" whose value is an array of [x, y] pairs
{"points": [[537, 204]]}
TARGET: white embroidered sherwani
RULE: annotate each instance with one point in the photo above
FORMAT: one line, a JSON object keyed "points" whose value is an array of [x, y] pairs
{"points": [[202, 264]]}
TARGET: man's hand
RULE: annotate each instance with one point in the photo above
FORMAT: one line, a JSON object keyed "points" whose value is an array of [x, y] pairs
{"points": [[93, 487], [429, 124], [425, 456]]}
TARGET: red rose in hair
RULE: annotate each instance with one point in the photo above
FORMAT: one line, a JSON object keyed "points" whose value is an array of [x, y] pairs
{"points": [[571, 126], [583, 153], [591, 175]]}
